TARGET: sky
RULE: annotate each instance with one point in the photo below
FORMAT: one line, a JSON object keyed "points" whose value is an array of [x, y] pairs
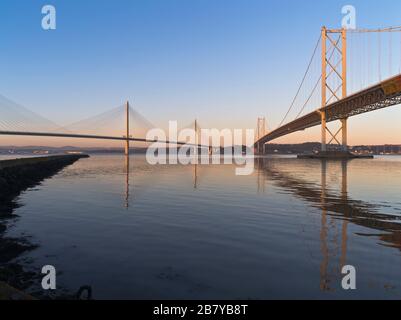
{"points": [[224, 62]]}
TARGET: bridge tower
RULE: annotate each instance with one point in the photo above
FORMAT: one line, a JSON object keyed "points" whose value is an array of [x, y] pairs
{"points": [[127, 133], [337, 40]]}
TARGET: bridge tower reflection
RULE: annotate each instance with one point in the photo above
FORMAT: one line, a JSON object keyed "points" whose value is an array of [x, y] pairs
{"points": [[344, 198], [127, 180], [195, 176], [336, 211], [325, 277]]}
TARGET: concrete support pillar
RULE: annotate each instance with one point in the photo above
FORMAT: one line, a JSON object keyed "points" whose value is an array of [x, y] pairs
{"points": [[324, 146], [344, 134]]}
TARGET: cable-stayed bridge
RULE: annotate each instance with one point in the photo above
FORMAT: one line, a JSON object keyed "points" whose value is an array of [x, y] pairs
{"points": [[17, 120], [366, 61]]}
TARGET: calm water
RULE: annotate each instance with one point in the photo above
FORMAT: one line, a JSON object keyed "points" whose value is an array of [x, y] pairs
{"points": [[173, 232]]}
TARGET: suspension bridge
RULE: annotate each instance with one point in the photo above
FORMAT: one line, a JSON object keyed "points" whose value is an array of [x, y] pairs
{"points": [[333, 76], [359, 71]]}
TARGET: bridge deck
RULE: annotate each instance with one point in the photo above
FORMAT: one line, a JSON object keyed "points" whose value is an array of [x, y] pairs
{"points": [[86, 136], [381, 95]]}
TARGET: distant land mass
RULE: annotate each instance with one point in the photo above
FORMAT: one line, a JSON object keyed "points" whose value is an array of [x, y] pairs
{"points": [[66, 149], [309, 147], [312, 147]]}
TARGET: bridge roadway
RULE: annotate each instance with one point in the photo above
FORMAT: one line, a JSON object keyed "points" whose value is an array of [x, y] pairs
{"points": [[382, 95], [86, 136]]}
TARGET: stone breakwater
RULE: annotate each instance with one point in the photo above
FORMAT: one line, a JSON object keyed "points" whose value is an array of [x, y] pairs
{"points": [[17, 176]]}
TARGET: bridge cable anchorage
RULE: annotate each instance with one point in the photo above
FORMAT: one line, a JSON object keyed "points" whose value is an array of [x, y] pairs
{"points": [[302, 82]]}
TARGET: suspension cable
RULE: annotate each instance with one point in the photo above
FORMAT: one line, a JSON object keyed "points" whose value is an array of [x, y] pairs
{"points": [[302, 82], [316, 85]]}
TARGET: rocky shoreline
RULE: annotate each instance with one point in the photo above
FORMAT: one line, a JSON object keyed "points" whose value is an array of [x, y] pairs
{"points": [[17, 176]]}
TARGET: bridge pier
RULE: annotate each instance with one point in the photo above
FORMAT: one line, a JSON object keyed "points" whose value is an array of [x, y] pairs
{"points": [[126, 148], [323, 131], [344, 129], [261, 146], [260, 149]]}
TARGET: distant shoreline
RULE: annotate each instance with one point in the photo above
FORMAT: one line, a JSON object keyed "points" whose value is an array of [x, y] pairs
{"points": [[286, 149]]}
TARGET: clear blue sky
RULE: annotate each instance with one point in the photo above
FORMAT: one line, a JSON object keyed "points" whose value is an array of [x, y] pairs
{"points": [[224, 61]]}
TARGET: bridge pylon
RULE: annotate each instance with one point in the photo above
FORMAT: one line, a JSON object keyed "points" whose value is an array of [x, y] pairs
{"points": [[337, 40]]}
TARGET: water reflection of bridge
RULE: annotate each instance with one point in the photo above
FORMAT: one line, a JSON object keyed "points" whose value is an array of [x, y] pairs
{"points": [[334, 207], [128, 193], [338, 209]]}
